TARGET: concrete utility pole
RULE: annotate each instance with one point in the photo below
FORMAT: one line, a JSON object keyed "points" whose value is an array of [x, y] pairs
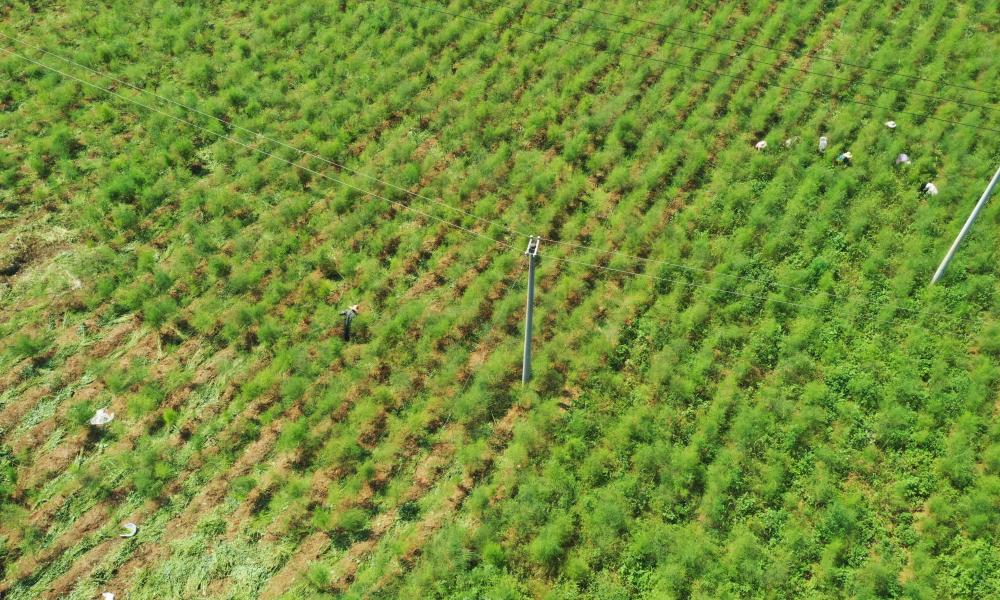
{"points": [[532, 253], [966, 227]]}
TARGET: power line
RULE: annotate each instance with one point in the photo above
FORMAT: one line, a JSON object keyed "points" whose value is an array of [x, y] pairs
{"points": [[511, 281], [260, 151], [262, 136], [362, 190], [411, 193], [682, 282], [689, 268], [766, 47], [694, 68], [813, 309], [736, 56], [407, 207], [673, 280]]}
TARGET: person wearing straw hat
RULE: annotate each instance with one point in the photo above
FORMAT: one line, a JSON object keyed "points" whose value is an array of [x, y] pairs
{"points": [[349, 314]]}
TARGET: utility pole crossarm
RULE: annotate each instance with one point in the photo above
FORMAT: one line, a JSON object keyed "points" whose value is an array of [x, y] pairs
{"points": [[965, 228], [532, 253]]}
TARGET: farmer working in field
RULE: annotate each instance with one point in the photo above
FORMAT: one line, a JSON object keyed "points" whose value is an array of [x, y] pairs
{"points": [[349, 314]]}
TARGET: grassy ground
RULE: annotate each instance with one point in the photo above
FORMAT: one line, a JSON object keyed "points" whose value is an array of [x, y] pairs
{"points": [[776, 406]]}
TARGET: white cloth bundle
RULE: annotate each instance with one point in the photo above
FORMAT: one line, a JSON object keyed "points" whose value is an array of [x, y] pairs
{"points": [[102, 417], [130, 530]]}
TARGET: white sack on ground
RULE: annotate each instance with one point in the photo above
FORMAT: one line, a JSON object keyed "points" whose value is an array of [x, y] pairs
{"points": [[102, 417], [130, 530]]}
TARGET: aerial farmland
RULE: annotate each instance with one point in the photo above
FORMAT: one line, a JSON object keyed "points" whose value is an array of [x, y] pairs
{"points": [[499, 300]]}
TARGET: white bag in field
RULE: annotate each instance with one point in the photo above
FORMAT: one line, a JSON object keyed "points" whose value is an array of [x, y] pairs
{"points": [[102, 417], [130, 530]]}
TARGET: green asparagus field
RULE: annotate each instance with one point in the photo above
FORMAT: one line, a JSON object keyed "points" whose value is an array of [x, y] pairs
{"points": [[744, 384]]}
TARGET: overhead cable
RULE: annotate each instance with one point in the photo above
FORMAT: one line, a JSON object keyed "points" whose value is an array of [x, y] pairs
{"points": [[823, 96], [812, 55]]}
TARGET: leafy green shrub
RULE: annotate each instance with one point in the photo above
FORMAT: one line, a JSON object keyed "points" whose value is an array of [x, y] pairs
{"points": [[552, 541], [125, 217], [81, 412], [990, 340], [211, 527], [27, 346], [170, 417], [293, 435], [8, 474], [6, 556], [120, 380], [158, 311], [150, 471], [241, 487], [352, 525], [959, 460], [991, 458], [410, 174], [493, 553], [628, 134], [409, 511], [269, 332], [245, 278], [319, 576], [142, 403], [219, 267]]}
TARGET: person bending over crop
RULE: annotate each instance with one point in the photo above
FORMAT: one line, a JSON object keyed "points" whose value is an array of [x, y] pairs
{"points": [[349, 314]]}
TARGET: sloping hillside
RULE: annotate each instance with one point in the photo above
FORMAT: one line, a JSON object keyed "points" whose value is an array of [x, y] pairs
{"points": [[744, 385]]}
